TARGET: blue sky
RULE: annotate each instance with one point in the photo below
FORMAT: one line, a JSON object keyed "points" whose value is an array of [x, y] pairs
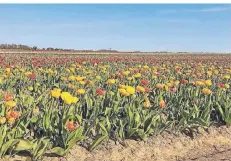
{"points": [[147, 27]]}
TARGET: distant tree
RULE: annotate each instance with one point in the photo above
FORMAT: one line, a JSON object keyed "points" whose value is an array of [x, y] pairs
{"points": [[35, 48]]}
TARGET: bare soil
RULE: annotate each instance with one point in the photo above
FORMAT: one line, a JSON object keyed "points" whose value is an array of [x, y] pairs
{"points": [[211, 145]]}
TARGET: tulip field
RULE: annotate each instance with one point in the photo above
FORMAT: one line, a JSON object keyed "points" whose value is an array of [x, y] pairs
{"points": [[50, 103]]}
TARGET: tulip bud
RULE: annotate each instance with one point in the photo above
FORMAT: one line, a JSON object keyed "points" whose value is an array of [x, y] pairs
{"points": [[196, 94], [30, 88], [2, 120], [112, 93]]}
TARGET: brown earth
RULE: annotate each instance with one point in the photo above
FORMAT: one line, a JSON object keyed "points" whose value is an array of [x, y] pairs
{"points": [[211, 145]]}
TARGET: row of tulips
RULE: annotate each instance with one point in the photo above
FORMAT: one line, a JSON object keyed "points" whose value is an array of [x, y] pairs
{"points": [[51, 104]]}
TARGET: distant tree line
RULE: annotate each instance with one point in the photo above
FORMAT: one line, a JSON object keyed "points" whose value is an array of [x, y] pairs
{"points": [[17, 46], [26, 47]]}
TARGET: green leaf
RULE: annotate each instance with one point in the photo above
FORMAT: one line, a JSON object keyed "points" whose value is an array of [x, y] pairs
{"points": [[130, 115], [228, 121], [75, 137], [140, 132], [88, 101], [103, 128], [121, 130], [24, 145], [34, 119], [3, 110], [199, 121], [7, 145], [47, 121], [108, 124], [74, 140], [97, 142], [70, 110], [2, 134], [79, 118], [107, 111], [38, 99], [43, 147], [220, 110], [59, 151], [115, 107], [137, 117], [132, 131], [148, 123]]}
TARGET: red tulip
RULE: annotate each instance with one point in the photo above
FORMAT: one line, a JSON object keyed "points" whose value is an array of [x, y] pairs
{"points": [[32, 76], [144, 82], [99, 91]]}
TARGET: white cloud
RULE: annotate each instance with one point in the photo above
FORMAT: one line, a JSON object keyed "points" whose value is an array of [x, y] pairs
{"points": [[211, 9], [216, 9]]}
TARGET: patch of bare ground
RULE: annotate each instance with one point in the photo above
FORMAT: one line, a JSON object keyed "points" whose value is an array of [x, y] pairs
{"points": [[211, 145]]}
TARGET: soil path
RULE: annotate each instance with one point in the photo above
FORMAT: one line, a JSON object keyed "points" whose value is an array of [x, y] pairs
{"points": [[213, 145]]}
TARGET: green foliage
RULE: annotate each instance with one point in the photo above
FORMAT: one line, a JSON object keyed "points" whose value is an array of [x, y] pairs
{"points": [[43, 121]]}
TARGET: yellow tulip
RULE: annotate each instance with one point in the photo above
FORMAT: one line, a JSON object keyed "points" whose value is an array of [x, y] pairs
{"points": [[10, 103], [140, 89], [122, 86], [111, 81], [145, 67], [123, 92], [56, 92], [208, 82], [226, 85], [11, 121], [74, 100], [2, 120], [206, 91], [159, 85], [71, 78], [126, 73], [68, 70], [8, 70], [82, 82], [72, 69], [137, 75], [147, 103], [130, 89], [227, 77], [130, 78], [80, 91], [78, 78], [68, 98], [199, 83]]}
